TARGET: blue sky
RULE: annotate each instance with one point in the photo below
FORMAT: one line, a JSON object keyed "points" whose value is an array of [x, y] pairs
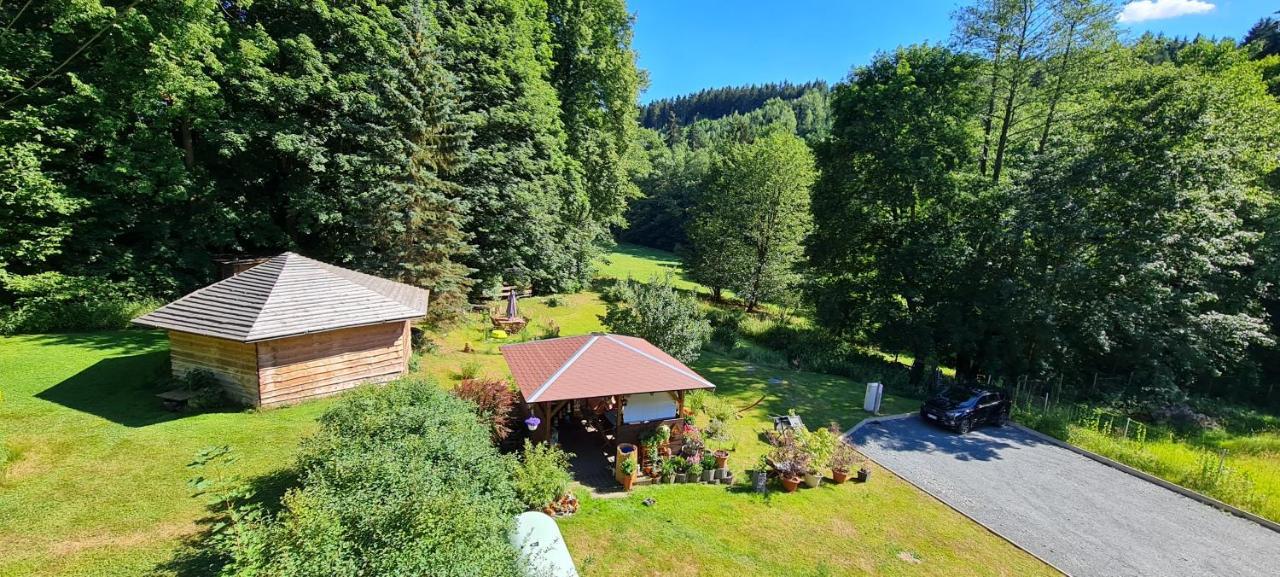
{"points": [[693, 44]]}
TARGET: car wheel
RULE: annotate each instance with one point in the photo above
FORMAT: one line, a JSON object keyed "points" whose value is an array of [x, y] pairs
{"points": [[964, 426]]}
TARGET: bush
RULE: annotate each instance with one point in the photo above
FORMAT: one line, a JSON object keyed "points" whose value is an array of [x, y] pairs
{"points": [[542, 475], [399, 480], [493, 399], [53, 302], [470, 370], [656, 312], [208, 393]]}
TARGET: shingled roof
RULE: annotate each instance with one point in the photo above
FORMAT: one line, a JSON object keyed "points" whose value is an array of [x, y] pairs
{"points": [[596, 365], [286, 296]]}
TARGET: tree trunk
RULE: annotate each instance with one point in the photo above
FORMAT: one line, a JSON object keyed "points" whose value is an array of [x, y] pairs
{"points": [[1056, 95], [188, 149], [1015, 79], [988, 121]]}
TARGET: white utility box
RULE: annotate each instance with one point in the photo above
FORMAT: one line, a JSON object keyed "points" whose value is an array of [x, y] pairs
{"points": [[875, 392]]}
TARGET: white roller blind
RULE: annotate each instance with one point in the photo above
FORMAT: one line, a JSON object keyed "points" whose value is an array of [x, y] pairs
{"points": [[643, 407]]}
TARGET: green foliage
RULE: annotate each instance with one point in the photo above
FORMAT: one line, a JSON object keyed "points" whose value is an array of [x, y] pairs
{"points": [[52, 302], [904, 184], [746, 236], [656, 312], [435, 143], [820, 444], [400, 479], [542, 476], [208, 393]]}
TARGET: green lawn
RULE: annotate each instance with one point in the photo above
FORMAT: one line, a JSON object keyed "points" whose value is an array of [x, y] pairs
{"points": [[641, 263], [98, 485]]}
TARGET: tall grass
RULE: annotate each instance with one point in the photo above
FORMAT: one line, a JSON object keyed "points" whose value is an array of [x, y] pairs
{"points": [[1238, 468]]}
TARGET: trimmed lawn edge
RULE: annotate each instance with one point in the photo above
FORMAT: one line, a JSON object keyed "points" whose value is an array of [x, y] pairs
{"points": [[873, 420], [1176, 488]]}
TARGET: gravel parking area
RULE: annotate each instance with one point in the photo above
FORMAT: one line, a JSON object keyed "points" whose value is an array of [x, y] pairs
{"points": [[1086, 518]]}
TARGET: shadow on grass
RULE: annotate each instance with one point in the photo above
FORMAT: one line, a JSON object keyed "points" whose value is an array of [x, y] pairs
{"points": [[119, 389], [199, 554], [819, 399], [124, 341]]}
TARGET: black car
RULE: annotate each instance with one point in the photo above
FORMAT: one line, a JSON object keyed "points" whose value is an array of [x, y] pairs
{"points": [[963, 408]]}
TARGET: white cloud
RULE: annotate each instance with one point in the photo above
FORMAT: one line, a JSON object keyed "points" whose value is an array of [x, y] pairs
{"points": [[1143, 10]]}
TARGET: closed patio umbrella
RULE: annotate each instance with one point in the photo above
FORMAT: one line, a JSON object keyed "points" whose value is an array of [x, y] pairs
{"points": [[512, 310]]}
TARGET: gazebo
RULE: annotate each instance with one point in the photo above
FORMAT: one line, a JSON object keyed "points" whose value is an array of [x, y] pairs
{"points": [[624, 384], [292, 328]]}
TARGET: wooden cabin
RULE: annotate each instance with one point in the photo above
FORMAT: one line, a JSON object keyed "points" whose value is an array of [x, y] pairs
{"points": [[625, 384], [291, 329]]}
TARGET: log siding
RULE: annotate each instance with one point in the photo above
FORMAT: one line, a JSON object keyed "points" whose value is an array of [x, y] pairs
{"points": [[294, 369], [234, 364]]}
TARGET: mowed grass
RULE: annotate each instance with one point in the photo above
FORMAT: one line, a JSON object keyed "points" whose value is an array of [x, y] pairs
{"points": [[642, 263], [98, 483]]}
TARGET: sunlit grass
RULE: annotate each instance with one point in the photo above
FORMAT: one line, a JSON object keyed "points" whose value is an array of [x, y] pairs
{"points": [[1239, 470], [98, 484]]}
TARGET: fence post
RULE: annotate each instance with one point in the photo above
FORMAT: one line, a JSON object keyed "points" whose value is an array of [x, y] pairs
{"points": [[1222, 460], [1126, 428], [1046, 401]]}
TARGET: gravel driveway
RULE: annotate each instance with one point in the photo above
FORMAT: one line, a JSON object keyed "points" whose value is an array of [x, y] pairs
{"points": [[1084, 517]]}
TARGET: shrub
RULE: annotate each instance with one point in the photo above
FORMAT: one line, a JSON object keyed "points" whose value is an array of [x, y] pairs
{"points": [[542, 475], [53, 302], [788, 457], [208, 393], [845, 457], [553, 302], [820, 445], [493, 399], [656, 312], [399, 480], [551, 330], [469, 370]]}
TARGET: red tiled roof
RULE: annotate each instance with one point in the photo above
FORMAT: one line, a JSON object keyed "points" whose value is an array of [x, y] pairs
{"points": [[596, 365]]}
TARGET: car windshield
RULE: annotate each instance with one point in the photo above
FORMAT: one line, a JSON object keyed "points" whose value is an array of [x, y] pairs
{"points": [[959, 395]]}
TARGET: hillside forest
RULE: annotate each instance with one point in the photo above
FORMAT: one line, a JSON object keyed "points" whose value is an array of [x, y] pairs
{"points": [[1039, 195]]}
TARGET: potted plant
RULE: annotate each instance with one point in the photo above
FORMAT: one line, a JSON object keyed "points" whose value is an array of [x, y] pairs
{"points": [[789, 459], [760, 475], [650, 456], [843, 460], [628, 472], [812, 479], [708, 467], [727, 478], [864, 474], [695, 471], [661, 436], [668, 470], [820, 445], [681, 467], [722, 457]]}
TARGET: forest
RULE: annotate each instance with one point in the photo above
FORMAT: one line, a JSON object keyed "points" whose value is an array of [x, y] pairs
{"points": [[1038, 195]]}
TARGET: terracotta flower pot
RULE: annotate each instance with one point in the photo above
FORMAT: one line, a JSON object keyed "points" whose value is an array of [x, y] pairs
{"points": [[838, 476], [790, 484], [721, 457], [627, 480]]}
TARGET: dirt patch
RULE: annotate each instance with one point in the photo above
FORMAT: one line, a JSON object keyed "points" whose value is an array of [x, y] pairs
{"points": [[162, 532]]}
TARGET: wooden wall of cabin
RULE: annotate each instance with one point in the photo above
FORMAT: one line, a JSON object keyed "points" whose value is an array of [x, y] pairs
{"points": [[234, 364], [294, 369]]}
